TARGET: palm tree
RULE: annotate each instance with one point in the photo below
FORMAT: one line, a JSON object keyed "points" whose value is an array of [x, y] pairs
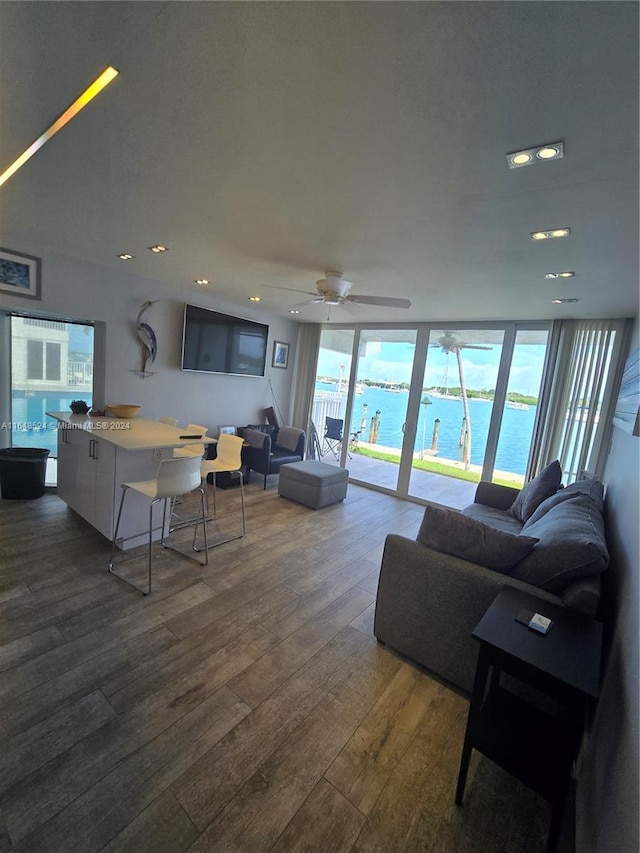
{"points": [[449, 343]]}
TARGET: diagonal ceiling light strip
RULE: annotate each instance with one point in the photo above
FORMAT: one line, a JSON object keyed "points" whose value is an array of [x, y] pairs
{"points": [[89, 93]]}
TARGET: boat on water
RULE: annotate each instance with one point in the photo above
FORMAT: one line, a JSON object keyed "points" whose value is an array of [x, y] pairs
{"points": [[442, 395], [513, 404]]}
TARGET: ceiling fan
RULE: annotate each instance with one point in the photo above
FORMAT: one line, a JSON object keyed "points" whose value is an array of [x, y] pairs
{"points": [[333, 289], [449, 343]]}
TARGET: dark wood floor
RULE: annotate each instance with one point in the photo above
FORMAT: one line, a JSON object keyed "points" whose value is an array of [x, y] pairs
{"points": [[244, 706]]}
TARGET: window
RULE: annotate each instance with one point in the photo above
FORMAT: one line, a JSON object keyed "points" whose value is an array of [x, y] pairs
{"points": [[35, 360], [53, 362]]}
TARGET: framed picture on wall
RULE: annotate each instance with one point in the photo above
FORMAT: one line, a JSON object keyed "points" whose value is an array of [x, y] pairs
{"points": [[280, 354], [19, 274]]}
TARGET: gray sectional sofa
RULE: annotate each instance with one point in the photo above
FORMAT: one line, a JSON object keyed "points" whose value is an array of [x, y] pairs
{"points": [[433, 590]]}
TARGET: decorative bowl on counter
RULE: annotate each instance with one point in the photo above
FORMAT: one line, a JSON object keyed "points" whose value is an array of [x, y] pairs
{"points": [[124, 410]]}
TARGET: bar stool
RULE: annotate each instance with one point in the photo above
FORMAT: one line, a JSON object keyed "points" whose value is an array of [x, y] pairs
{"points": [[228, 460], [192, 449], [175, 477]]}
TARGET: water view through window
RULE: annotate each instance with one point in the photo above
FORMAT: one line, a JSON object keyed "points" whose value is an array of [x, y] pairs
{"points": [[449, 424], [51, 365]]}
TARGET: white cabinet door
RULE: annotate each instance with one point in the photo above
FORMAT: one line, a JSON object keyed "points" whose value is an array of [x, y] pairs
{"points": [[103, 456], [66, 464], [78, 474], [90, 473], [86, 470]]}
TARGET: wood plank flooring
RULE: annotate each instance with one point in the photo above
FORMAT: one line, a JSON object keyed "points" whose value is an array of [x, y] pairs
{"points": [[244, 706]]}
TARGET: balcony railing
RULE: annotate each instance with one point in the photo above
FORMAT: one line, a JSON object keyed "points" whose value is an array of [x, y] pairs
{"points": [[79, 374]]}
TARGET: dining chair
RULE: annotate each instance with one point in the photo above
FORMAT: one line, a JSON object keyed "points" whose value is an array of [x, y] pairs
{"points": [[175, 477], [195, 449], [228, 460], [169, 421]]}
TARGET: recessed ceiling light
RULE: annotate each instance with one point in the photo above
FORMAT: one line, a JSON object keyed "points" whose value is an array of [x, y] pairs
{"points": [[548, 235], [548, 151], [559, 275], [552, 152], [201, 280], [521, 159], [158, 248], [125, 256], [88, 95], [563, 301], [255, 298], [293, 311]]}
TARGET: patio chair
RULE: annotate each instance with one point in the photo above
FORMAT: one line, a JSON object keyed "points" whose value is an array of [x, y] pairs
{"points": [[332, 439]]}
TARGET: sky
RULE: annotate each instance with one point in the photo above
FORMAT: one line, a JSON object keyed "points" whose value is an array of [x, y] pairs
{"points": [[392, 362]]}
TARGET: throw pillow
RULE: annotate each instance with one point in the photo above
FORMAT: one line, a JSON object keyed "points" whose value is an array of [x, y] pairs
{"points": [[535, 491], [592, 488], [453, 533], [572, 545], [270, 429], [288, 438]]}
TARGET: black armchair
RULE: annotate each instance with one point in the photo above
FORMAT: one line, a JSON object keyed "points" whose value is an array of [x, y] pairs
{"points": [[260, 455]]}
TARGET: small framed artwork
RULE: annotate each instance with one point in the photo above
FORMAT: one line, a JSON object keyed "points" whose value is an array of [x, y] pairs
{"points": [[280, 354], [226, 430], [19, 274]]}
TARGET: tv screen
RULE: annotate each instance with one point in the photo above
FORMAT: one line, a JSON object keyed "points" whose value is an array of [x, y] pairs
{"points": [[219, 343]]}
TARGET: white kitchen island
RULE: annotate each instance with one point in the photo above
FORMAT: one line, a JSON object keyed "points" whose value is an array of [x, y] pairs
{"points": [[97, 454]]}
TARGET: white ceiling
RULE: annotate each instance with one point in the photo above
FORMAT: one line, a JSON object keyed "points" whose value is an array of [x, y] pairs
{"points": [[265, 142]]}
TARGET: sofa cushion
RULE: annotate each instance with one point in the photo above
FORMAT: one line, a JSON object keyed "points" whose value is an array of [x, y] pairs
{"points": [[451, 532], [572, 542], [535, 491], [270, 429], [593, 488], [254, 437], [494, 517]]}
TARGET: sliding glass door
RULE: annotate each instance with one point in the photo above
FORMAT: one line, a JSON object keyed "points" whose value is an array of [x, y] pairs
{"points": [[360, 403], [456, 403], [520, 406], [379, 405], [429, 411]]}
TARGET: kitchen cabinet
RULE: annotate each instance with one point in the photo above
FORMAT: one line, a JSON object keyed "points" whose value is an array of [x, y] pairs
{"points": [[96, 456]]}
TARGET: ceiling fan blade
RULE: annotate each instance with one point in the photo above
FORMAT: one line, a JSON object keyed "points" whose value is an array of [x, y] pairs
{"points": [[472, 346], [307, 302], [386, 301], [292, 289]]}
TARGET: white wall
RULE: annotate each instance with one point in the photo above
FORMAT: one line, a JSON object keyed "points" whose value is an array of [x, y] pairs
{"points": [[607, 803], [78, 290]]}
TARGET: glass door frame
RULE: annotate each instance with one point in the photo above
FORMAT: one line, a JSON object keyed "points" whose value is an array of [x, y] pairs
{"points": [[510, 329]]}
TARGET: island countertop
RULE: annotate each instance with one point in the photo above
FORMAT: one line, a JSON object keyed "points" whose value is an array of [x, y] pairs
{"points": [[128, 433]]}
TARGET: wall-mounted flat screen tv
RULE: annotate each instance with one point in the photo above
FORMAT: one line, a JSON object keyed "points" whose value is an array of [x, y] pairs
{"points": [[219, 343]]}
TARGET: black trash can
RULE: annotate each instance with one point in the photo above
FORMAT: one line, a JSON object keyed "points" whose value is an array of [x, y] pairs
{"points": [[22, 472]]}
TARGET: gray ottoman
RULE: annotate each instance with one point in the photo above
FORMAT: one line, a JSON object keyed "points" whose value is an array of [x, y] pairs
{"points": [[312, 483]]}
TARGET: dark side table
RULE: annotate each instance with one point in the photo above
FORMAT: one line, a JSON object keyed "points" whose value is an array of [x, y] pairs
{"points": [[533, 744]]}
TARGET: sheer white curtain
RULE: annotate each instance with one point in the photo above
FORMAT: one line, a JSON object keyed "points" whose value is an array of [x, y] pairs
{"points": [[585, 363], [305, 374]]}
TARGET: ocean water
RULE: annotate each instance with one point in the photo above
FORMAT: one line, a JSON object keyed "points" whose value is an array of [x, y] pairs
{"points": [[515, 433]]}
